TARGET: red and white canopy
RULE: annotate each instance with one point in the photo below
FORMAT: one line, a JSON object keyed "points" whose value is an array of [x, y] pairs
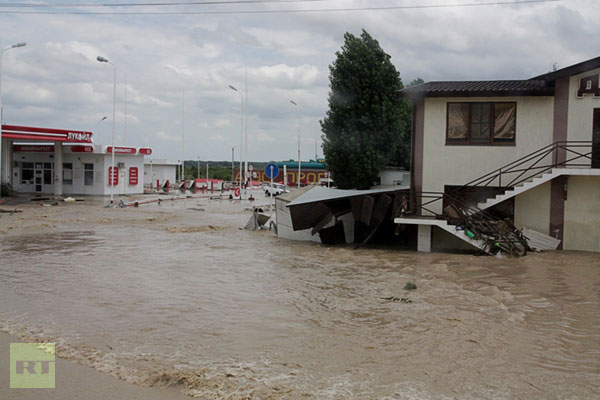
{"points": [[45, 134]]}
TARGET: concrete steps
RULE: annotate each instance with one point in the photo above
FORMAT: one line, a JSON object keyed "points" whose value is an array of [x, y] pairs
{"points": [[523, 187]]}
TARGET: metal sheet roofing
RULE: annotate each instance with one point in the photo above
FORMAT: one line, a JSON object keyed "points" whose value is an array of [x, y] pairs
{"points": [[479, 88], [319, 193]]}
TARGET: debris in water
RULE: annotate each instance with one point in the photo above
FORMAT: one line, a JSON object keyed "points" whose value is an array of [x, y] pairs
{"points": [[192, 229], [398, 299], [410, 286], [11, 212]]}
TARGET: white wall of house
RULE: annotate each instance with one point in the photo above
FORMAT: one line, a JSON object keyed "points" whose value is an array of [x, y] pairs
{"points": [[458, 164], [532, 209], [582, 214], [580, 120]]}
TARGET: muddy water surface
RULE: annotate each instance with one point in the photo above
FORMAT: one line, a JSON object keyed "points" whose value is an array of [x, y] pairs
{"points": [[163, 295]]}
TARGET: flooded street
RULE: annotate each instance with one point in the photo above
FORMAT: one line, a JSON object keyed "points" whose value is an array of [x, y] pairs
{"points": [[164, 295]]}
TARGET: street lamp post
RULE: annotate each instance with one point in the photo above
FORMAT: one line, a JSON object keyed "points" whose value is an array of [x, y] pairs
{"points": [[299, 134], [241, 134], [14, 46], [233, 163], [111, 175]]}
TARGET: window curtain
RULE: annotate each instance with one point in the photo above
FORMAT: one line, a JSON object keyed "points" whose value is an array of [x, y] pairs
{"points": [[504, 120], [458, 118]]}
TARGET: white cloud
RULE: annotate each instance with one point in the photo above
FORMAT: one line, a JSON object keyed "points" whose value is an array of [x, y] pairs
{"points": [[56, 81]]}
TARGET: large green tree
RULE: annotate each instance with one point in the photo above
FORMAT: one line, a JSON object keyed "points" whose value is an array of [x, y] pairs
{"points": [[367, 125]]}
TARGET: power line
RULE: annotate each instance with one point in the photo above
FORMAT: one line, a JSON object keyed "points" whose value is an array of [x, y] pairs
{"points": [[288, 11], [151, 4]]}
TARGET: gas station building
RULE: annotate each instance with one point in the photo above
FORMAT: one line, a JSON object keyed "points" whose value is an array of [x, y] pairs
{"points": [[64, 162]]}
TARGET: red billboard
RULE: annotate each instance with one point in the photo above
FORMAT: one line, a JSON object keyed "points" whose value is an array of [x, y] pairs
{"points": [[82, 149], [121, 150], [133, 176], [29, 148], [113, 177]]}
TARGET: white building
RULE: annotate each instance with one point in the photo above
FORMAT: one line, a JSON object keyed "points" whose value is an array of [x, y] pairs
{"points": [[525, 149], [40, 160], [394, 176], [160, 171]]}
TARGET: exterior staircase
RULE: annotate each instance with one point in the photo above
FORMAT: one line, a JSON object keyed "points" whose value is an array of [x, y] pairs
{"points": [[534, 182], [557, 159]]}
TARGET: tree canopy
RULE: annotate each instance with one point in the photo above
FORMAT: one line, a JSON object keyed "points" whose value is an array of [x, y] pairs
{"points": [[367, 127]]}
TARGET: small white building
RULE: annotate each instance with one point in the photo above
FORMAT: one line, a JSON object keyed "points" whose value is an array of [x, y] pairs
{"points": [[394, 176], [53, 161], [160, 171]]}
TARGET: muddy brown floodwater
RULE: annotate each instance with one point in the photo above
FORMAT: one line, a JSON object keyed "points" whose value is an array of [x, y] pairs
{"points": [[165, 295]]}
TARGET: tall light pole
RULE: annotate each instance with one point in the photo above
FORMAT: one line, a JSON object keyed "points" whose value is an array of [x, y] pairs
{"points": [[111, 176], [299, 134], [241, 134], [14, 46], [182, 177], [232, 163]]}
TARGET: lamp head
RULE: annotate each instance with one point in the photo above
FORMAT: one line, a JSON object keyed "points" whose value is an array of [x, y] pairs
{"points": [[293, 102], [20, 44], [102, 59], [232, 88]]}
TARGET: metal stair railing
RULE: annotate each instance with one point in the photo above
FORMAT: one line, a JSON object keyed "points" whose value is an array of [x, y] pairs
{"points": [[494, 233], [563, 154]]}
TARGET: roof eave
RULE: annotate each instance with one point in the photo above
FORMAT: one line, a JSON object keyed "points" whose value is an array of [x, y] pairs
{"points": [[570, 71]]}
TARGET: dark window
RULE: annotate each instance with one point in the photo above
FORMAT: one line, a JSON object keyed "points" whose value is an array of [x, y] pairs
{"points": [[26, 173], [47, 177], [68, 173], [88, 174], [481, 123]]}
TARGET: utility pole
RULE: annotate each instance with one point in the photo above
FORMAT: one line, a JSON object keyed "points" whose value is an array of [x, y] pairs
{"points": [[232, 163]]}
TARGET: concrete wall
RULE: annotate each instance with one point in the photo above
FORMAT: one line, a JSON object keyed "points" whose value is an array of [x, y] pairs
{"points": [[582, 214], [458, 164], [123, 186], [159, 170], [532, 209], [581, 110], [394, 177]]}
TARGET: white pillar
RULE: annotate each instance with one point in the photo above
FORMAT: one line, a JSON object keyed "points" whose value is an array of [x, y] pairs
{"points": [[285, 175], [9, 162], [58, 169], [424, 239], [4, 164]]}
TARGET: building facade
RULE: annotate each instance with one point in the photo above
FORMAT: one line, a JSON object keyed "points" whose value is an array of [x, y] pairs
{"points": [[527, 149], [158, 171], [53, 161]]}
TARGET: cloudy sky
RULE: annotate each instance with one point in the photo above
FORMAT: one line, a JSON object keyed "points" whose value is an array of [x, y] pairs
{"points": [[177, 67]]}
